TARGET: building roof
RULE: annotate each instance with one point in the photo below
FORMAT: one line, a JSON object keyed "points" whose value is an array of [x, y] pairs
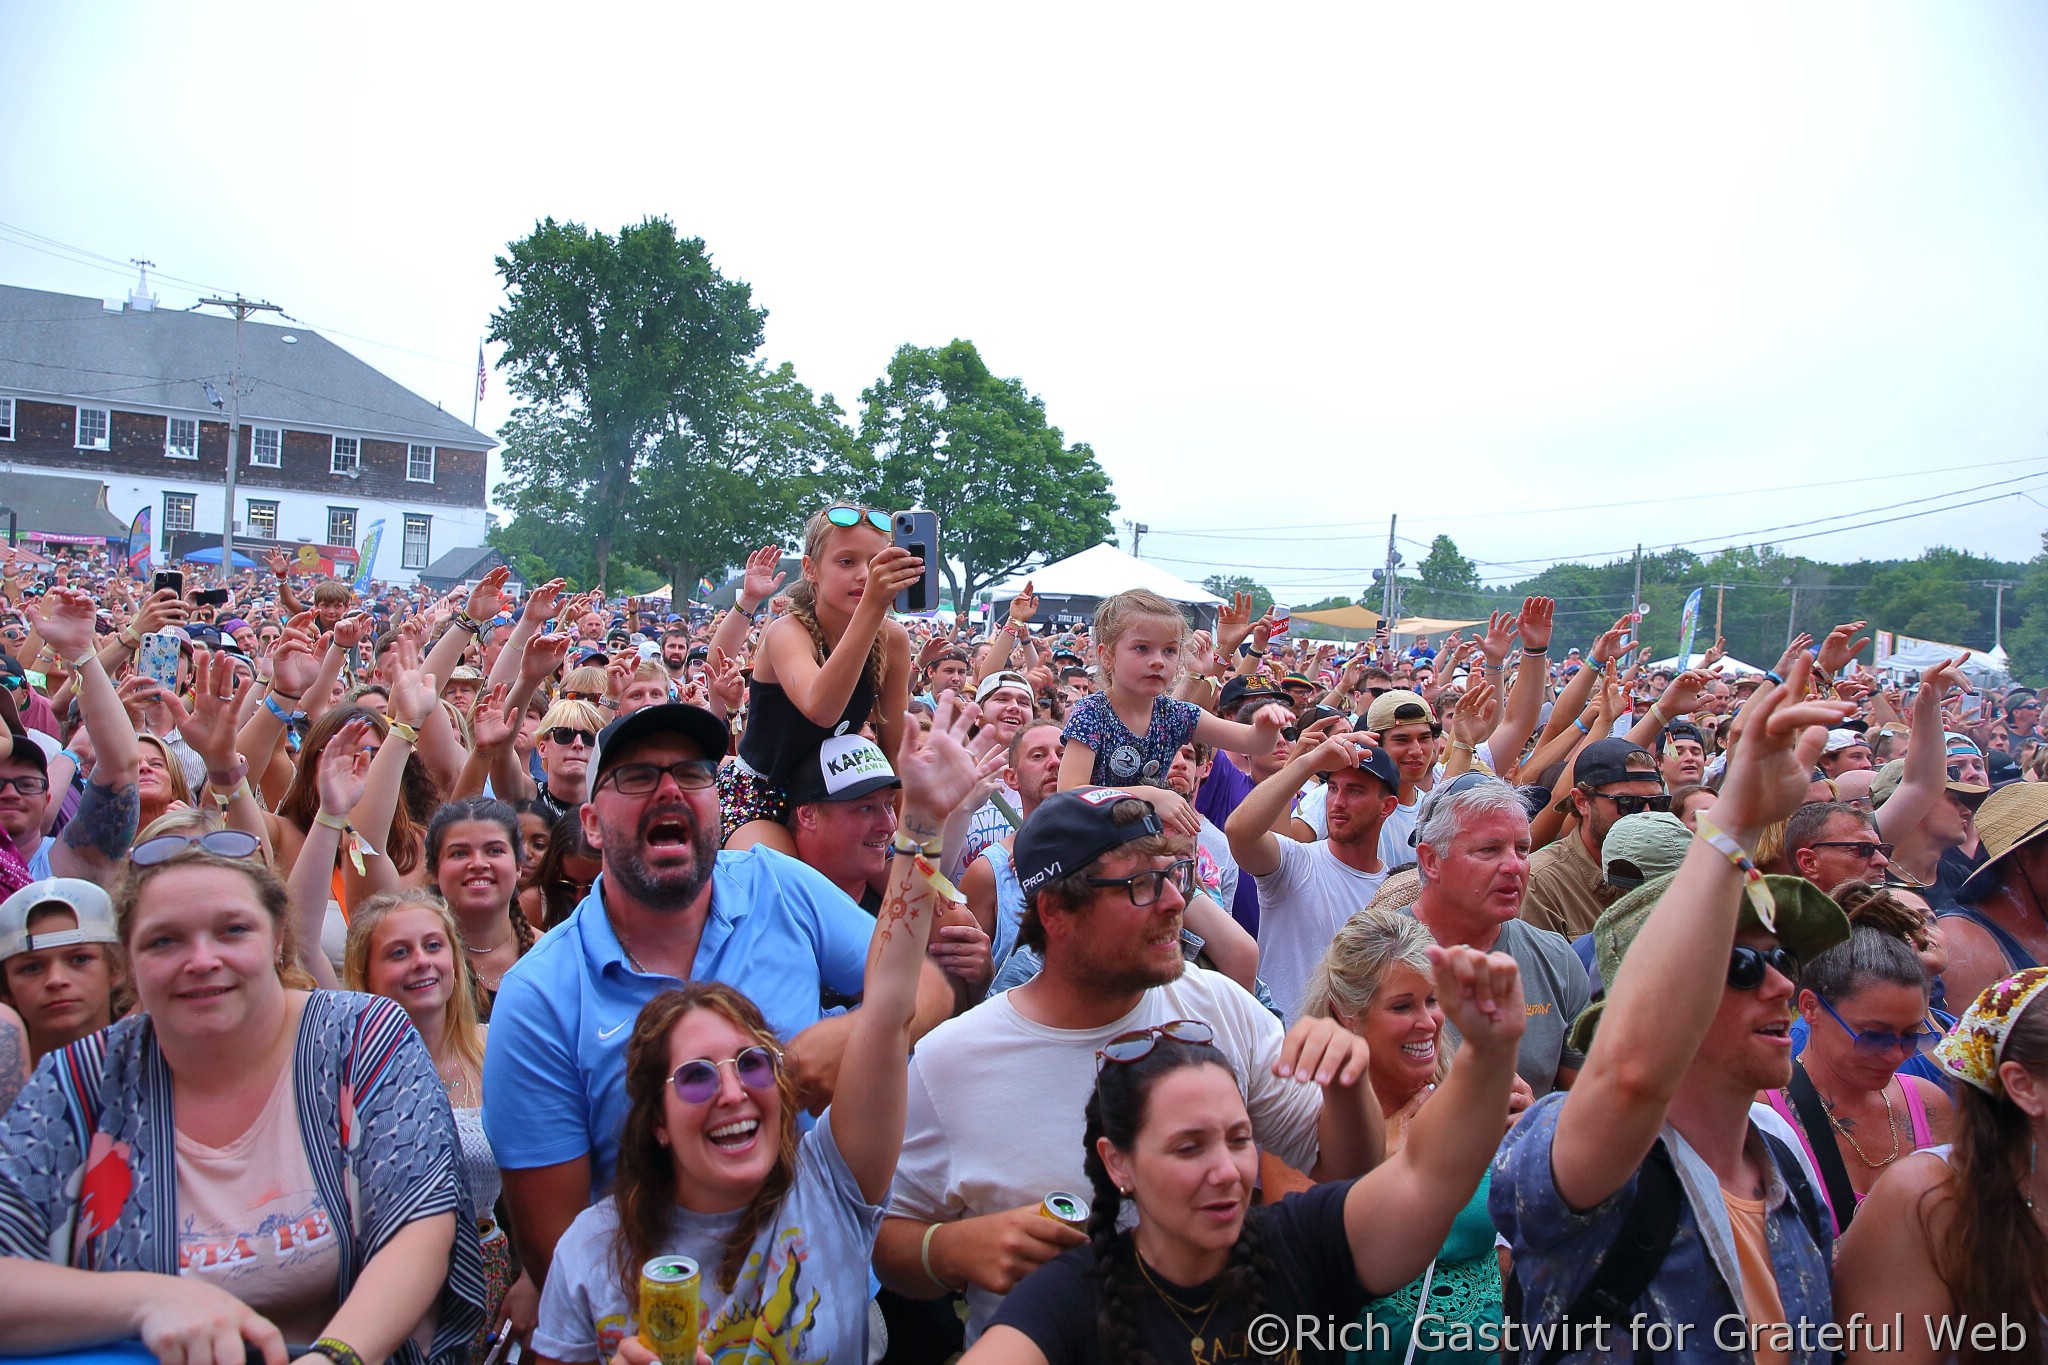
{"points": [[58, 506], [77, 348], [459, 566]]}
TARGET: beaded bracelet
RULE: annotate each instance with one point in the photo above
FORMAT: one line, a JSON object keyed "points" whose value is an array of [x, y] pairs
{"points": [[1753, 886]]}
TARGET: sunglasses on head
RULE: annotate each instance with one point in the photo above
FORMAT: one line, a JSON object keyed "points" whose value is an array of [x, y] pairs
{"points": [[1138, 1044], [853, 516], [696, 1081], [222, 843], [1746, 965], [1878, 1042], [566, 735]]}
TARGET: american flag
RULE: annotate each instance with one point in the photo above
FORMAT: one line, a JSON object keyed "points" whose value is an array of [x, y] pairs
{"points": [[481, 372]]}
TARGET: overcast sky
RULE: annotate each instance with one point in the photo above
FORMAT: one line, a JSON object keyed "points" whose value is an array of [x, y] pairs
{"points": [[1287, 271]]}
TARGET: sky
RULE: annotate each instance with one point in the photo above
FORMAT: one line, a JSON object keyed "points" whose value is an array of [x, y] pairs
{"points": [[1551, 283]]}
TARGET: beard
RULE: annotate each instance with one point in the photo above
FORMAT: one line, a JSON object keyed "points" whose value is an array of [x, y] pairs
{"points": [[626, 866], [1100, 976]]}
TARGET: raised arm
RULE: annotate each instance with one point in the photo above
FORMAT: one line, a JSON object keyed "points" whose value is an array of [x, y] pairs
{"points": [[343, 772], [98, 837], [466, 625], [821, 690], [1662, 1001], [209, 727], [1532, 679], [412, 702], [539, 607], [1250, 827], [1926, 774]]}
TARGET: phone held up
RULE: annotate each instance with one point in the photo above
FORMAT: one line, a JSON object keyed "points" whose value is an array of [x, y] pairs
{"points": [[174, 579], [917, 531]]}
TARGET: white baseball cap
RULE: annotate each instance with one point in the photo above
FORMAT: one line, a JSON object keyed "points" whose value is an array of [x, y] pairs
{"points": [[86, 902]]}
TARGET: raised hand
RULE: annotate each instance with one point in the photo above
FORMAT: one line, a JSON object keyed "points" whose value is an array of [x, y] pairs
{"points": [[1770, 770], [891, 571], [413, 691], [1233, 623], [1481, 995], [277, 560], [544, 654], [763, 577], [1715, 654], [1199, 654], [489, 726], [345, 767], [1476, 714], [292, 663], [209, 724], [1537, 616], [1024, 606], [1838, 648], [1796, 650], [938, 770], [351, 630], [1683, 696], [64, 619], [486, 596], [163, 609], [1607, 648], [1501, 629], [724, 680], [540, 603]]}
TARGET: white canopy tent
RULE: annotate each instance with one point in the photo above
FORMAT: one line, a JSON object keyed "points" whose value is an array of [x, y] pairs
{"points": [[1728, 667], [1070, 590], [1909, 655]]}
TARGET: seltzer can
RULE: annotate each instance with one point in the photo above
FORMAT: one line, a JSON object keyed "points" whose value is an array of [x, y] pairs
{"points": [[1062, 1207], [671, 1313]]}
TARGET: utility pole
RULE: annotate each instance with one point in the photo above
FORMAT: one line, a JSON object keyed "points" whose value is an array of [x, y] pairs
{"points": [[1792, 618], [241, 308], [1390, 592], [1138, 530], [1998, 608]]}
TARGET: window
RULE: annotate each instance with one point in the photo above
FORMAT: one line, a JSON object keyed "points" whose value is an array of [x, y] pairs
{"points": [[419, 464], [6, 419], [418, 532], [181, 438], [177, 515], [263, 519], [92, 428], [348, 458], [265, 446], [341, 527]]}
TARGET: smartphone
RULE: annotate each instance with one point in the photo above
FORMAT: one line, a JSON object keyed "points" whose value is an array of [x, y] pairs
{"points": [[159, 659], [917, 531], [174, 579], [210, 597]]}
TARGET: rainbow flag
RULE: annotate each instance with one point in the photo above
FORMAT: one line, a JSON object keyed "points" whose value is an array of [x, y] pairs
{"points": [[705, 587]]}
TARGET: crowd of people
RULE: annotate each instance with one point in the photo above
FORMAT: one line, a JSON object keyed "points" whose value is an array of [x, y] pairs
{"points": [[392, 977]]}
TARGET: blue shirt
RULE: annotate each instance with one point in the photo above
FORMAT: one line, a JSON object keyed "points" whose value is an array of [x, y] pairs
{"points": [[555, 1070], [1556, 1248]]}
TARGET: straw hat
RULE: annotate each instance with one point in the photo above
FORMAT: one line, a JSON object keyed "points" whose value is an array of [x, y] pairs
{"points": [[2011, 816]]}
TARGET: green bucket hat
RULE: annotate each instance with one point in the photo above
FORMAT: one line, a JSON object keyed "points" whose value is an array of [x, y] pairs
{"points": [[1809, 923]]}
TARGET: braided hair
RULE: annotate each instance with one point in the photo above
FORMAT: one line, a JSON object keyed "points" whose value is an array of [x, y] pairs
{"points": [[803, 604], [1117, 1110], [484, 810]]}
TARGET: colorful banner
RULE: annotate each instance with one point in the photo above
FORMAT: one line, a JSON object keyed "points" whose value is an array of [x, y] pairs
{"points": [[1688, 624], [371, 540], [138, 544]]}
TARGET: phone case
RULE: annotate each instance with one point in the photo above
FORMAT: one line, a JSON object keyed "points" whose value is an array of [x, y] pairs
{"points": [[159, 659]]}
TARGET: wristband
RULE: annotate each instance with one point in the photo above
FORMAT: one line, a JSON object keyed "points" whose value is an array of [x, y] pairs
{"points": [[1580, 722], [924, 1254], [284, 716], [1527, 650], [400, 730], [1774, 679], [910, 847], [78, 665], [1462, 745], [336, 1350], [226, 795], [129, 638], [1656, 713], [358, 847], [744, 608], [1753, 886], [462, 620]]}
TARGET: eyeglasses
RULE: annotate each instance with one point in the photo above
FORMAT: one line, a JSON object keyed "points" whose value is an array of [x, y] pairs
{"points": [[853, 516], [1634, 805], [566, 735], [696, 1081], [1746, 965], [1144, 887], [222, 843], [638, 779], [1877, 1042], [1138, 1044], [1866, 849], [1377, 691], [28, 784], [11, 681]]}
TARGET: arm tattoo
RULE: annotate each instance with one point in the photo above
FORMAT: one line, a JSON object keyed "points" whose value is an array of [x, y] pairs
{"points": [[14, 1062], [105, 824]]}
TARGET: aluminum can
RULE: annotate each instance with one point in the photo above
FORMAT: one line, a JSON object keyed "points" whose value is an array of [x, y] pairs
{"points": [[1062, 1207], [671, 1312]]}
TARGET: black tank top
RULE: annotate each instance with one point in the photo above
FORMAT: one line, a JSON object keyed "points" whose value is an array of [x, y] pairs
{"points": [[780, 739]]}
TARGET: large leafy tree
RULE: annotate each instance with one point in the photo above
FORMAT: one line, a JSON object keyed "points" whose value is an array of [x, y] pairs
{"points": [[940, 431], [1228, 586], [614, 344], [709, 494]]}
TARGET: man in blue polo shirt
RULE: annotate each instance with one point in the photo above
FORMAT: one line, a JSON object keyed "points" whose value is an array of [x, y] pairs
{"points": [[669, 908]]}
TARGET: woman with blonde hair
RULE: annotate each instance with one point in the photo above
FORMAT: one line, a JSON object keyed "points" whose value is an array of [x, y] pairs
{"points": [[1376, 980], [406, 946], [161, 782]]}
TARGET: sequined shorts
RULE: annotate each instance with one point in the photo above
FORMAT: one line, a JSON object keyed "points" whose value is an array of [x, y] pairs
{"points": [[744, 795]]}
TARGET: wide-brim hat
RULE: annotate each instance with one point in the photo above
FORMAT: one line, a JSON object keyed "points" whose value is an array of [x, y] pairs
{"points": [[2007, 820]]}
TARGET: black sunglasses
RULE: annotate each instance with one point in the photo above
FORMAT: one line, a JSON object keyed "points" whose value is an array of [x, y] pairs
{"points": [[568, 734], [1864, 848], [1746, 965], [1634, 805]]}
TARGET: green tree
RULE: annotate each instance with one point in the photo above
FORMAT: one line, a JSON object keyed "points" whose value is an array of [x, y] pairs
{"points": [[614, 343], [940, 431], [1229, 586], [1446, 583], [2027, 642], [749, 475]]}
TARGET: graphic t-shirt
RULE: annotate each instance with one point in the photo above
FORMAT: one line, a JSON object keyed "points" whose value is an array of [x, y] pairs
{"points": [[251, 1221], [1123, 759], [802, 1295]]}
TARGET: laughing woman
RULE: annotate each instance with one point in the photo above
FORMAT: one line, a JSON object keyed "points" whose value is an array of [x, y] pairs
{"points": [[711, 1165], [240, 1163]]}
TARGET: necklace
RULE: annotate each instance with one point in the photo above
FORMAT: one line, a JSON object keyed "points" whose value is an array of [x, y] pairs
{"points": [[457, 1086], [631, 961], [1891, 1124], [480, 952], [1174, 1306]]}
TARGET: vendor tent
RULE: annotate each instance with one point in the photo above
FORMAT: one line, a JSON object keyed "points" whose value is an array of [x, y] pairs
{"points": [[1343, 618], [1728, 667], [1070, 590], [1908, 654]]}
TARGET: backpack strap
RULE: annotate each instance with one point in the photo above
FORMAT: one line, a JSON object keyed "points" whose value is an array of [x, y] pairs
{"points": [[1827, 1154], [1625, 1270], [1810, 1212]]}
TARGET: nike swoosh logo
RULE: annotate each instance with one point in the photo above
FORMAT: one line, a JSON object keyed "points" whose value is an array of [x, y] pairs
{"points": [[605, 1033]]}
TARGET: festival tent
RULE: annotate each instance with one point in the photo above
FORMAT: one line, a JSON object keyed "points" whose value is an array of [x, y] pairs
{"points": [[211, 555], [1908, 654], [1070, 590], [1343, 618], [1728, 667]]}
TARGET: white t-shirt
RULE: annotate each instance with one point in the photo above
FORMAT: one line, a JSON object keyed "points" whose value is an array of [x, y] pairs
{"points": [[995, 1103], [802, 1294], [1302, 905]]}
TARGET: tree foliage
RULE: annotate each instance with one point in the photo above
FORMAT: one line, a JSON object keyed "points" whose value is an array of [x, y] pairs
{"points": [[940, 431], [1228, 586], [614, 345]]}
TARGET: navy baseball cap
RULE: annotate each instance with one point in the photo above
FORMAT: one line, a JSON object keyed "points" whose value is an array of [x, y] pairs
{"points": [[693, 723], [1071, 829]]}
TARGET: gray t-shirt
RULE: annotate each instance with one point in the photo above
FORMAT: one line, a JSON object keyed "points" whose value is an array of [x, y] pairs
{"points": [[1554, 991], [802, 1294]]}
